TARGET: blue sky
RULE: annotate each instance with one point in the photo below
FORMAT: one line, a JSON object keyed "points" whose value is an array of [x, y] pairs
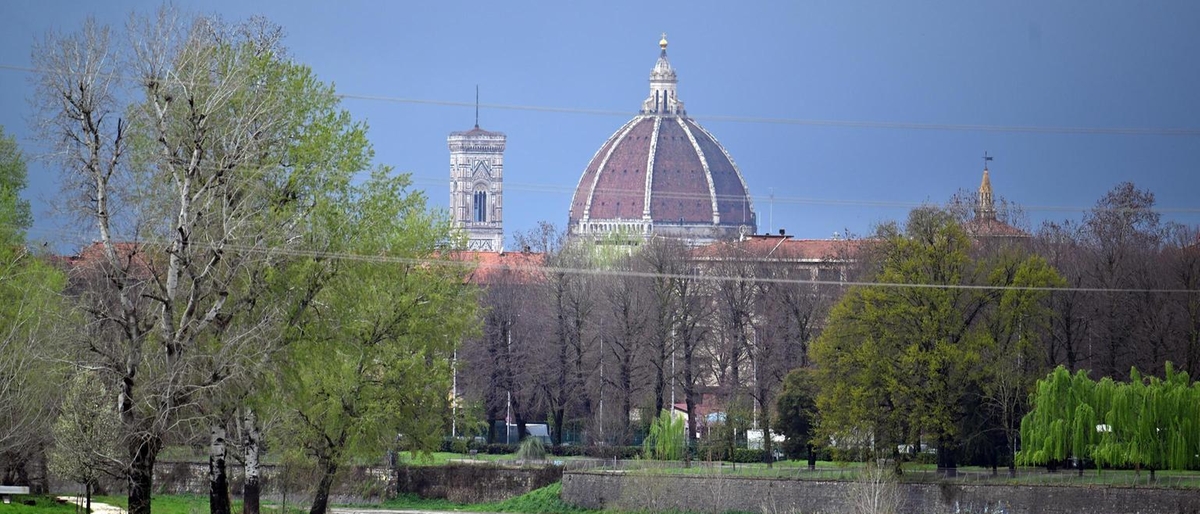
{"points": [[932, 67]]}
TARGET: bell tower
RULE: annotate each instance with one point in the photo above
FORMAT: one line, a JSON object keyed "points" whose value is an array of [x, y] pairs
{"points": [[476, 185], [985, 206]]}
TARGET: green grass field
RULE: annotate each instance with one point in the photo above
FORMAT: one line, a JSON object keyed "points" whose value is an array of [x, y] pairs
{"points": [[42, 505], [538, 501]]}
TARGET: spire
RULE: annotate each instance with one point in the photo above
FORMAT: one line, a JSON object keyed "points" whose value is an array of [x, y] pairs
{"points": [[662, 99], [985, 206], [476, 105]]}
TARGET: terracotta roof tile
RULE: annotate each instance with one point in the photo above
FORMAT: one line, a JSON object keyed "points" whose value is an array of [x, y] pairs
{"points": [[498, 267]]}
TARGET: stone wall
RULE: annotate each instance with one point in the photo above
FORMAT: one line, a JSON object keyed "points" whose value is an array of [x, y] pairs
{"points": [[636, 491], [368, 484], [470, 483], [357, 484]]}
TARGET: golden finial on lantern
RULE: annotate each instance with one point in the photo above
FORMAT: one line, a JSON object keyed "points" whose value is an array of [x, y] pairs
{"points": [[662, 43]]}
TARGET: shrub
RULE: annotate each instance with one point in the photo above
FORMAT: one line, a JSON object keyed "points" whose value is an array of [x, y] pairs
{"points": [[712, 450], [531, 448], [567, 451], [666, 438], [613, 452], [499, 449], [743, 455], [875, 492]]}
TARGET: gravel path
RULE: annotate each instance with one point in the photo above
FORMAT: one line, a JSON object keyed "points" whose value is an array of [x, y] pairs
{"points": [[97, 507]]}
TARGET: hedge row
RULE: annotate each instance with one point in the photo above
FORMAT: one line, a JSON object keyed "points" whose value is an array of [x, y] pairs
{"points": [[464, 446]]}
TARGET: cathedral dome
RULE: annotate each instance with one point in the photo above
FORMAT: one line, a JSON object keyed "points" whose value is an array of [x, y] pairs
{"points": [[662, 173]]}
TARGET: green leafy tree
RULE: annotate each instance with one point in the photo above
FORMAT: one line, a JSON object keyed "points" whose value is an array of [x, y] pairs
{"points": [[1147, 423], [371, 360], [1150, 423], [31, 314], [904, 362], [798, 419], [85, 435], [1016, 328], [1063, 423], [14, 211], [200, 177]]}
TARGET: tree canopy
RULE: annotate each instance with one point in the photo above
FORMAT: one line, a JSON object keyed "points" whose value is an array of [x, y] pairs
{"points": [[903, 361], [1146, 422]]}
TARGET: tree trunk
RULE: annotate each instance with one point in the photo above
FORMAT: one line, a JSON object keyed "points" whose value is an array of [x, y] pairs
{"points": [[1012, 455], [328, 467], [40, 482], [218, 479], [660, 379], [770, 456], [491, 433], [519, 418], [87, 500], [252, 447], [558, 426], [812, 457], [143, 450], [946, 467]]}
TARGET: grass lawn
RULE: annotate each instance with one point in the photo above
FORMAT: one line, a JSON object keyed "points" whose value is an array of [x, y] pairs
{"points": [[537, 501], [42, 505], [443, 458], [167, 504], [189, 504]]}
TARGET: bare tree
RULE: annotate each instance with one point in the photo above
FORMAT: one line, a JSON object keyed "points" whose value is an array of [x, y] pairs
{"points": [[571, 297], [1119, 235], [498, 367], [787, 313], [1067, 341], [1183, 264], [626, 307], [680, 319], [660, 258], [733, 293], [176, 140]]}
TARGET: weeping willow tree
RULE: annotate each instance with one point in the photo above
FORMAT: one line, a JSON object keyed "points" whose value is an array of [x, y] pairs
{"points": [[1152, 423], [1148, 422], [1062, 422], [665, 440]]}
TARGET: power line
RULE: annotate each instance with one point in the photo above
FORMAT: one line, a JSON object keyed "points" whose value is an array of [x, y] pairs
{"points": [[467, 264], [799, 200], [892, 125], [795, 200]]}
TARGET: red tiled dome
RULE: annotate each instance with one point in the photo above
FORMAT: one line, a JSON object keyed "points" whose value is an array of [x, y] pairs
{"points": [[662, 173]]}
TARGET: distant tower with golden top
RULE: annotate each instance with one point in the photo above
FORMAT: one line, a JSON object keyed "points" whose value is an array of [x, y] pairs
{"points": [[985, 206]]}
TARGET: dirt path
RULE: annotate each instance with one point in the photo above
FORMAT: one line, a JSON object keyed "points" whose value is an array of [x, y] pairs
{"points": [[97, 507]]}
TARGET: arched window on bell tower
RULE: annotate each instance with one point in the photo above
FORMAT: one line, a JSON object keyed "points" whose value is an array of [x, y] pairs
{"points": [[480, 206]]}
